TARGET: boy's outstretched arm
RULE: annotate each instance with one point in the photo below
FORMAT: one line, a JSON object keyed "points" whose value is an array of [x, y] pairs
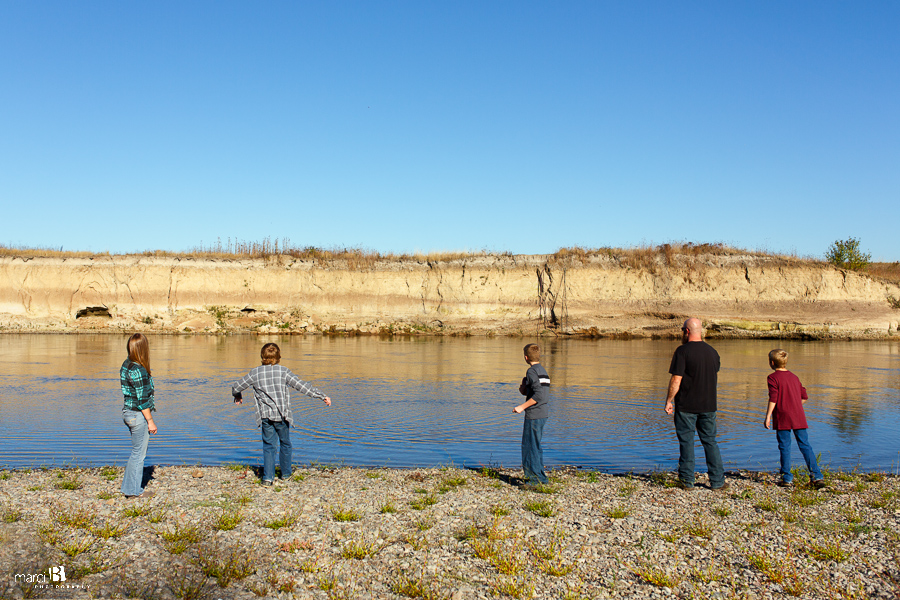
{"points": [[307, 388], [768, 421], [239, 386]]}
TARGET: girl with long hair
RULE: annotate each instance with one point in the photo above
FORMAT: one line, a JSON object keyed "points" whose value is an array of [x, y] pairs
{"points": [[137, 388]]}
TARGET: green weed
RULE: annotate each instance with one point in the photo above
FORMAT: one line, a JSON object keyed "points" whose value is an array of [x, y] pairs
{"points": [[344, 515], [514, 588], [627, 489], [288, 519], [827, 550], [358, 550], [8, 514], [616, 512], [416, 586], [698, 528], [188, 584], [108, 529], [507, 563], [225, 564], [76, 547], [425, 523], [423, 502], [540, 508], [499, 510], [69, 483], [655, 575], [179, 537], [137, 510], [451, 483], [73, 517], [227, 519], [663, 479], [806, 498]]}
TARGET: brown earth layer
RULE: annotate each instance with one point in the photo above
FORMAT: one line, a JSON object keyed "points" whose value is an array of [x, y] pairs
{"points": [[736, 295]]}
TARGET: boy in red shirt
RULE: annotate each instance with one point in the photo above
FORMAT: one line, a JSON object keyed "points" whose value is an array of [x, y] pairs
{"points": [[786, 398]]}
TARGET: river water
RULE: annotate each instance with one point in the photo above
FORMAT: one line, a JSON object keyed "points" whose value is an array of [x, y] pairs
{"points": [[403, 402]]}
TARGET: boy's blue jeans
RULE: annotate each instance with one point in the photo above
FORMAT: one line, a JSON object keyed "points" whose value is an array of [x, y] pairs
{"points": [[784, 447], [532, 454], [705, 426], [276, 438]]}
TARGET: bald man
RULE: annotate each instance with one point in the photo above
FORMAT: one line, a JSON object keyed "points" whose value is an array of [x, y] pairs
{"points": [[692, 399]]}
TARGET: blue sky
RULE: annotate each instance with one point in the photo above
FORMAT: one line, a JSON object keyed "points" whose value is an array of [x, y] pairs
{"points": [[441, 126]]}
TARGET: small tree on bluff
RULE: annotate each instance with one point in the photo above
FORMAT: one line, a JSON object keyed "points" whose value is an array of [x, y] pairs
{"points": [[846, 254]]}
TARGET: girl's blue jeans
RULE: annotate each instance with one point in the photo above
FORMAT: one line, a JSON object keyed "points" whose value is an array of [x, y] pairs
{"points": [[134, 470]]}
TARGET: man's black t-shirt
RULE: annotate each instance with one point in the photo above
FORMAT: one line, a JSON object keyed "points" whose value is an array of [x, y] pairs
{"points": [[698, 364]]}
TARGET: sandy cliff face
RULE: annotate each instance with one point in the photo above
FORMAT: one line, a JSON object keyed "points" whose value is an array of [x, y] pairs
{"points": [[736, 295]]}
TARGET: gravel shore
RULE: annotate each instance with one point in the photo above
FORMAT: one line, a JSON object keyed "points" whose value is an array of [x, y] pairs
{"points": [[340, 533]]}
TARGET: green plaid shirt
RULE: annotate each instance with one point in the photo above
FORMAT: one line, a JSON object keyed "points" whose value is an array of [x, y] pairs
{"points": [[137, 386]]}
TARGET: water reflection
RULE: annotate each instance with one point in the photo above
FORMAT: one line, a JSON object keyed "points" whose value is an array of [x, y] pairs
{"points": [[420, 401]]}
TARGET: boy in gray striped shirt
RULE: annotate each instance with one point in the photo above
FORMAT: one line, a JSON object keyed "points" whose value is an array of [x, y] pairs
{"points": [[536, 389], [270, 383]]}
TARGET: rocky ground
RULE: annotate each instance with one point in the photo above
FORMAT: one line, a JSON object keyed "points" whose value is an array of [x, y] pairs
{"points": [[335, 533]]}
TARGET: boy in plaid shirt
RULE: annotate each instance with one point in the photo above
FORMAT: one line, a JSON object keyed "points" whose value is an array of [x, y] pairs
{"points": [[270, 383]]}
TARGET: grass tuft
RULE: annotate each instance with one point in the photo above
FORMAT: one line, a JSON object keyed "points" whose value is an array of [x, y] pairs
{"points": [[345, 515], [227, 519], [288, 519], [655, 575], [225, 563], [540, 508], [616, 512], [423, 502]]}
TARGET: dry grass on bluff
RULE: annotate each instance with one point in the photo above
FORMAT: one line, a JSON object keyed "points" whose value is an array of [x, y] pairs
{"points": [[648, 258]]}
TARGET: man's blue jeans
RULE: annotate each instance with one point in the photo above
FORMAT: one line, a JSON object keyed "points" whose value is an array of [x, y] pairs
{"points": [[705, 425], [134, 470], [784, 447], [532, 454], [276, 438]]}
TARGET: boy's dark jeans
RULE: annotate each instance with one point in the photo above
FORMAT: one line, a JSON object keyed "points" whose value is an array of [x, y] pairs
{"points": [[705, 425], [532, 454], [275, 434]]}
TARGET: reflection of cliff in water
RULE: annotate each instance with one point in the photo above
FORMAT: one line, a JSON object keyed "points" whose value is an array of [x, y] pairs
{"points": [[848, 416]]}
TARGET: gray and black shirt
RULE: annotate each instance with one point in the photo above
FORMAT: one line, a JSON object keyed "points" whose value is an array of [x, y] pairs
{"points": [[537, 385]]}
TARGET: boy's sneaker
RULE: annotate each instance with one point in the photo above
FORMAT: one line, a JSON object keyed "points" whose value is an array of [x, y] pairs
{"points": [[688, 487], [268, 482], [819, 484], [785, 484], [725, 485]]}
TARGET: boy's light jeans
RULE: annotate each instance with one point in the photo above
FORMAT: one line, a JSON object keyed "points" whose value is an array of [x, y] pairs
{"points": [[134, 470], [784, 447]]}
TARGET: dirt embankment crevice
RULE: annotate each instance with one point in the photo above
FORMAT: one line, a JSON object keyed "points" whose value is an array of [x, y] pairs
{"points": [[736, 295]]}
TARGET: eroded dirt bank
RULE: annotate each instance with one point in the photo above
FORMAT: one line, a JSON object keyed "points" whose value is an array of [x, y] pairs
{"points": [[735, 295]]}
